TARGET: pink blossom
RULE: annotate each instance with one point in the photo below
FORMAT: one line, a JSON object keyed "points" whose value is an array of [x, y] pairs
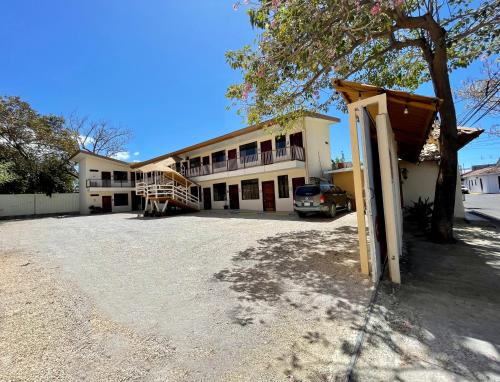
{"points": [[236, 6], [276, 3], [260, 72], [358, 5], [246, 2], [397, 3], [375, 9], [316, 94], [274, 23], [248, 87]]}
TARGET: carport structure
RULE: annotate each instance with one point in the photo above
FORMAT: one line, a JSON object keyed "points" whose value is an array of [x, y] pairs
{"points": [[384, 125]]}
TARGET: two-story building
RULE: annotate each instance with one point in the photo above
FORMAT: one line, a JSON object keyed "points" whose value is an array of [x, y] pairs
{"points": [[105, 184], [254, 168], [257, 167]]}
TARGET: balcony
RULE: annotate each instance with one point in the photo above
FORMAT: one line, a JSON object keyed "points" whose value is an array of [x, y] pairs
{"points": [[266, 158], [110, 183]]}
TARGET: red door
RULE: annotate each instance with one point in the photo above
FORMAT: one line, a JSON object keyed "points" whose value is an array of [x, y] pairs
{"points": [[232, 163], [234, 198], [268, 199], [266, 152], [297, 182], [106, 204], [297, 146]]}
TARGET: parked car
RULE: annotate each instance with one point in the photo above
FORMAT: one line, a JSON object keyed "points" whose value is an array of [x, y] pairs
{"points": [[323, 198], [465, 190]]}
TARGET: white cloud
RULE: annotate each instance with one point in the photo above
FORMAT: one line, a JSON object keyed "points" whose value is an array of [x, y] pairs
{"points": [[122, 155], [136, 161], [136, 153], [83, 139]]}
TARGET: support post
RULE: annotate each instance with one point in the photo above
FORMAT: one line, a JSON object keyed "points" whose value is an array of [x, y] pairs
{"points": [[390, 182], [358, 191]]}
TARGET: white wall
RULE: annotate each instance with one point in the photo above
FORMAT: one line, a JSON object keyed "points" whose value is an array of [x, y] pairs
{"points": [[421, 182], [490, 184], [317, 146], [38, 204], [282, 204]]}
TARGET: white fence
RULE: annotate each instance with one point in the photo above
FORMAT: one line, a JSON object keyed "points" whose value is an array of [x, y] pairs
{"points": [[38, 204]]}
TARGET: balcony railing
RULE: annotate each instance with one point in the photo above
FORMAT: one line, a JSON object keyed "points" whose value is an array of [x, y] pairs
{"points": [[108, 183], [246, 161]]}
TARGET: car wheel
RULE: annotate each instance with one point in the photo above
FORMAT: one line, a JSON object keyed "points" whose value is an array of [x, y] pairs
{"points": [[333, 210], [349, 205]]}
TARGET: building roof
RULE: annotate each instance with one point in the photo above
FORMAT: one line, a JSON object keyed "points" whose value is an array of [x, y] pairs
{"points": [[492, 170], [431, 152], [81, 153], [230, 135], [411, 115]]}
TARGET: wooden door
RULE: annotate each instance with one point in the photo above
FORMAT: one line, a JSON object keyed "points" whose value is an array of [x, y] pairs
{"points": [[234, 198], [106, 179], [232, 163], [268, 199], [296, 146], [266, 152], [207, 198], [205, 162], [106, 204], [297, 182]]}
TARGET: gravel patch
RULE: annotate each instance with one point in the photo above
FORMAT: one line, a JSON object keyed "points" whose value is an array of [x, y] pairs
{"points": [[201, 297]]}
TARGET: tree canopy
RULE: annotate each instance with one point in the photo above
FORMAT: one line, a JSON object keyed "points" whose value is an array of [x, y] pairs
{"points": [[34, 150], [302, 44]]}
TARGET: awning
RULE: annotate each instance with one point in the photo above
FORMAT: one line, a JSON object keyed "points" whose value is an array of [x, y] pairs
{"points": [[411, 115], [164, 166]]}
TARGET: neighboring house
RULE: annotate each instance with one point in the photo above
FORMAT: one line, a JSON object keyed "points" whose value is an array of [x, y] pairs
{"points": [[483, 180], [254, 168], [105, 184], [419, 179], [257, 167]]}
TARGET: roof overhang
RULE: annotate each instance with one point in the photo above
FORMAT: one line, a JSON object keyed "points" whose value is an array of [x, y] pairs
{"points": [[81, 154], [411, 115], [230, 135]]}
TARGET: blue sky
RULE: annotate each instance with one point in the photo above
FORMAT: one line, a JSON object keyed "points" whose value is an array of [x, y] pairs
{"points": [[156, 67]]}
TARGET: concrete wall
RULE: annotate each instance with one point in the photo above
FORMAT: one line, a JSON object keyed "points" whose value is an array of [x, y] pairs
{"points": [[421, 182], [282, 204], [490, 183], [317, 146], [38, 204], [345, 180]]}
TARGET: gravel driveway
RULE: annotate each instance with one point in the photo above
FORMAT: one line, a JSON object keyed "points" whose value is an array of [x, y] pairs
{"points": [[201, 297]]}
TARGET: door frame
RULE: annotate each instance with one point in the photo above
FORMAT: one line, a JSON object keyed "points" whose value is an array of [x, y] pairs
{"points": [[265, 183]]}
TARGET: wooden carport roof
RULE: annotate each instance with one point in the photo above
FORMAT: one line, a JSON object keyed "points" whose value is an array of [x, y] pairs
{"points": [[411, 129]]}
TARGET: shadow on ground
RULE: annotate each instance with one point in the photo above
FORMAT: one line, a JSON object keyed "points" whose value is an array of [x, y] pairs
{"points": [[443, 322], [312, 276]]}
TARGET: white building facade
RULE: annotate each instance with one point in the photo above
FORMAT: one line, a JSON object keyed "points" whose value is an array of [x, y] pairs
{"points": [[105, 184], [484, 180], [254, 168]]}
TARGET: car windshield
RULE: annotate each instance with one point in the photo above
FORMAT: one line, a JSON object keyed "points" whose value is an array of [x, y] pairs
{"points": [[307, 191]]}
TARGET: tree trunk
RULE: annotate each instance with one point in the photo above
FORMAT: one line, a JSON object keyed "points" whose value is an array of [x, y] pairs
{"points": [[444, 197]]}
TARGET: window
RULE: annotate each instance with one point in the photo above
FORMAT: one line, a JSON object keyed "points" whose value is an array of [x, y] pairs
{"points": [[219, 156], [194, 191], [92, 170], [219, 192], [248, 152], [280, 142], [195, 162], [250, 189], [283, 186], [121, 200], [119, 175], [499, 182]]}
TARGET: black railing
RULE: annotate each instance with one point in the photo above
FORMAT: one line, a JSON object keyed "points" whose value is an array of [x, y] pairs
{"points": [[110, 183], [250, 160]]}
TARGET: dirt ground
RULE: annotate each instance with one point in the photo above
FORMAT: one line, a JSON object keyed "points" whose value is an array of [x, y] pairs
{"points": [[443, 323], [202, 297]]}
